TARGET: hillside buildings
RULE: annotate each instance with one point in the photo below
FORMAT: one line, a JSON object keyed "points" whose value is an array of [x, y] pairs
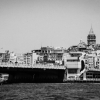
{"points": [[90, 46]]}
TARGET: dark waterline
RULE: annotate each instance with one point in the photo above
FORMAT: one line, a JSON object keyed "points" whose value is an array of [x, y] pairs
{"points": [[50, 91]]}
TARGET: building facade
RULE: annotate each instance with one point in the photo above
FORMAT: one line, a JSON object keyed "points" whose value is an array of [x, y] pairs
{"points": [[50, 54], [28, 58]]}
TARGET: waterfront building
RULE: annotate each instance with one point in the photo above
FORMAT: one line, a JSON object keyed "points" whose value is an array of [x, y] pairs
{"points": [[19, 58], [27, 58], [13, 57], [5, 56], [50, 54], [35, 58], [2, 54]]}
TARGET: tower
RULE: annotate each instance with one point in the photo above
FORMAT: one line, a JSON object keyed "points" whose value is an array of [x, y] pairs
{"points": [[91, 38]]}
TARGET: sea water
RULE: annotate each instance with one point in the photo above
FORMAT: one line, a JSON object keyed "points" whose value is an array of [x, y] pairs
{"points": [[50, 91]]}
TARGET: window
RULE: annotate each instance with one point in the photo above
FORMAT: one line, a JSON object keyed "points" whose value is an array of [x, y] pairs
{"points": [[75, 60], [76, 55], [72, 71]]}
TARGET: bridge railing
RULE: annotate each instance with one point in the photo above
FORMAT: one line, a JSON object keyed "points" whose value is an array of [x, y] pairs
{"points": [[48, 66], [44, 66], [14, 65]]}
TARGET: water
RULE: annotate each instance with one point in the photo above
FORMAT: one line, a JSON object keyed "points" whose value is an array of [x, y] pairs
{"points": [[50, 91]]}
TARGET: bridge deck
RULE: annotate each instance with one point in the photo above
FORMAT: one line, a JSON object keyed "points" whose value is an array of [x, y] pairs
{"points": [[40, 66]]}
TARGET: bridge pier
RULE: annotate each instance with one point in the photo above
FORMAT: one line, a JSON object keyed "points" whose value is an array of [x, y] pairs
{"points": [[65, 76]]}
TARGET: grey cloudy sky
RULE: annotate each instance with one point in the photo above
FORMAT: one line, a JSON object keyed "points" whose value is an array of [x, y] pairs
{"points": [[27, 24]]}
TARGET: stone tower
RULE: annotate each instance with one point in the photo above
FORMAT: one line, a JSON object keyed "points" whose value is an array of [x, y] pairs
{"points": [[91, 38]]}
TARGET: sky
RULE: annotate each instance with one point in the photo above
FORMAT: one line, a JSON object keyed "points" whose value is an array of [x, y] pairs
{"points": [[26, 25]]}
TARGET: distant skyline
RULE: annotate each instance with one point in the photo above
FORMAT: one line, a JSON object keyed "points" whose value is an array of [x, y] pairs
{"points": [[26, 25]]}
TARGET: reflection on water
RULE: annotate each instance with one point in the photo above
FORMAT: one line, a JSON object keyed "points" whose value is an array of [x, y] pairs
{"points": [[50, 91]]}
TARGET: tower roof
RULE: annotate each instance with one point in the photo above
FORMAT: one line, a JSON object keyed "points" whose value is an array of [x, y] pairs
{"points": [[91, 33]]}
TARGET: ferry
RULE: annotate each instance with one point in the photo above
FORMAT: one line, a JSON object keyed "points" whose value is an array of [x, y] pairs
{"points": [[82, 67]]}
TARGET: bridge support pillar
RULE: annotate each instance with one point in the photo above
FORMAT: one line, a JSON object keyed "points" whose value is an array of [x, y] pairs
{"points": [[65, 75], [84, 76], [78, 70]]}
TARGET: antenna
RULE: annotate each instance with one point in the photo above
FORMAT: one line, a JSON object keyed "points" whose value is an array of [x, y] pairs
{"points": [[41, 44], [91, 30]]}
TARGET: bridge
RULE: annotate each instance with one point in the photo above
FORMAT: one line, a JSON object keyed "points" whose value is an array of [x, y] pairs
{"points": [[33, 73], [38, 72]]}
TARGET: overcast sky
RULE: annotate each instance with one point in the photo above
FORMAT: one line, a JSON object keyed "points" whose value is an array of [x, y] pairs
{"points": [[29, 24]]}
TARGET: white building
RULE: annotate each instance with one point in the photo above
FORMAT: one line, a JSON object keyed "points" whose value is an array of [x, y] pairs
{"points": [[13, 57], [34, 58]]}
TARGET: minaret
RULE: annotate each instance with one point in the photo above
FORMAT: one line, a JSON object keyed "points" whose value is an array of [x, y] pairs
{"points": [[91, 38]]}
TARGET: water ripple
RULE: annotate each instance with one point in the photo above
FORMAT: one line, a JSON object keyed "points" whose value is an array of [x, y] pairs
{"points": [[50, 91]]}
